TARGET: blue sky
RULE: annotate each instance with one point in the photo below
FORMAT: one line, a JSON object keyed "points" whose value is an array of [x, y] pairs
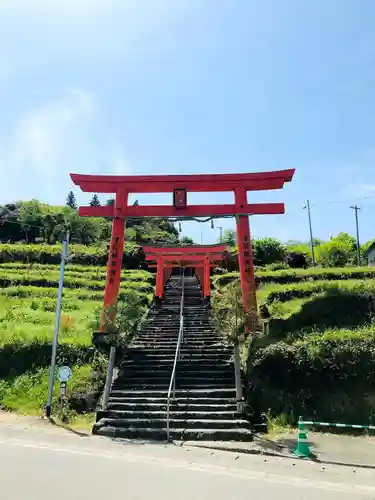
{"points": [[194, 86]]}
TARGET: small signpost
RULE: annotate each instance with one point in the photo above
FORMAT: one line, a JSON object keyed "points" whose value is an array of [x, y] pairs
{"points": [[64, 375]]}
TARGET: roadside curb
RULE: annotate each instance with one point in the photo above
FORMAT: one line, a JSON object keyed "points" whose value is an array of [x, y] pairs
{"points": [[253, 451]]}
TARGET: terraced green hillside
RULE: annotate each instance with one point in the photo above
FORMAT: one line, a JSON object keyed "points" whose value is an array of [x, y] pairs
{"points": [[27, 317], [316, 355]]}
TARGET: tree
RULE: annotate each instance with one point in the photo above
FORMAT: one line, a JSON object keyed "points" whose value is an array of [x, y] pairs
{"points": [[267, 251], [84, 230], [53, 227], [296, 260], [186, 240], [337, 252], [31, 218], [110, 202], [229, 237], [10, 228], [71, 200], [95, 202]]}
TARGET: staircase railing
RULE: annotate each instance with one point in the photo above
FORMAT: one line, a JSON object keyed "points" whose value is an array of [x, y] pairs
{"points": [[172, 383]]}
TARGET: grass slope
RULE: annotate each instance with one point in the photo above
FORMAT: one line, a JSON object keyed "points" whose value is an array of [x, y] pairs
{"points": [[316, 357], [27, 318]]}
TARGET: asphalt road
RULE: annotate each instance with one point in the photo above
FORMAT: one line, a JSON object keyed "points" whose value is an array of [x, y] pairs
{"points": [[47, 467]]}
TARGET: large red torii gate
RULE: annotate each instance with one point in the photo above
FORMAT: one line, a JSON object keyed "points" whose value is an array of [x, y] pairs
{"points": [[180, 185], [202, 257]]}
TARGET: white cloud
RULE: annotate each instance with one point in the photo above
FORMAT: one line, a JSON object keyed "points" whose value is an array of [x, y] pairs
{"points": [[47, 143], [41, 138], [42, 144], [70, 26], [119, 165]]}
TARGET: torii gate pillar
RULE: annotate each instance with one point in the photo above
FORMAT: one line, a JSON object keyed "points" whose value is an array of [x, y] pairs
{"points": [[159, 287], [206, 279], [245, 255], [114, 266]]}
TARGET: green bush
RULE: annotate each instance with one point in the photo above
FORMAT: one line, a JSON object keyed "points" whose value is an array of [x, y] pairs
{"points": [[51, 254], [339, 309], [279, 293], [50, 279], [285, 276], [329, 377]]}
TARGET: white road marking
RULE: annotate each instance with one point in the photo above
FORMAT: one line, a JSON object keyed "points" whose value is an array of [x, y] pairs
{"points": [[212, 469]]}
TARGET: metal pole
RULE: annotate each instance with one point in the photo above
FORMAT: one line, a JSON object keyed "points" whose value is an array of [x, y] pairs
{"points": [[108, 381], [356, 208], [311, 235], [64, 256], [237, 372]]}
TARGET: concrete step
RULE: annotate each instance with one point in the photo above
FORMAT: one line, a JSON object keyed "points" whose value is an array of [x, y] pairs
{"points": [[158, 374], [174, 414], [166, 368], [164, 386], [185, 354], [146, 405], [175, 423], [184, 394], [181, 434], [155, 364]]}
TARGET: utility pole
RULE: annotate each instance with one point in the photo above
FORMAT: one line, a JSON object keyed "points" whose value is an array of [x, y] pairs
{"points": [[311, 235], [64, 258], [356, 208], [221, 233]]}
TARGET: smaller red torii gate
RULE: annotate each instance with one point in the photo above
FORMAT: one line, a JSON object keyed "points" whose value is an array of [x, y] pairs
{"points": [[200, 257]]}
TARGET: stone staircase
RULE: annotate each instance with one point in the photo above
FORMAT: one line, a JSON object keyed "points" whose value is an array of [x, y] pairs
{"points": [[204, 407]]}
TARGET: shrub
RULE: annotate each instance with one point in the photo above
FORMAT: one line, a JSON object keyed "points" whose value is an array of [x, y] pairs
{"points": [[296, 260], [340, 310], [267, 251], [330, 377], [285, 276], [51, 254]]}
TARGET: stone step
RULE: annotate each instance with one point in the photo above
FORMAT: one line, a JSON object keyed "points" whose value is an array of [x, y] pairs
{"points": [[193, 373], [198, 369], [143, 414], [185, 394], [244, 435], [191, 345], [148, 405], [182, 365], [175, 423], [187, 338], [179, 385], [139, 354], [185, 348]]}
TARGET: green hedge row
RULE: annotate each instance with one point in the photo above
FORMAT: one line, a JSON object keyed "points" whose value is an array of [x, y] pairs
{"points": [[331, 377], [19, 358], [136, 277], [82, 270], [51, 280], [306, 289], [342, 310], [24, 292], [286, 276], [50, 254]]}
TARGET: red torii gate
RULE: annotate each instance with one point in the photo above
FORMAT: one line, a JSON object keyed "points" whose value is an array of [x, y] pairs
{"points": [[180, 185], [198, 256]]}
